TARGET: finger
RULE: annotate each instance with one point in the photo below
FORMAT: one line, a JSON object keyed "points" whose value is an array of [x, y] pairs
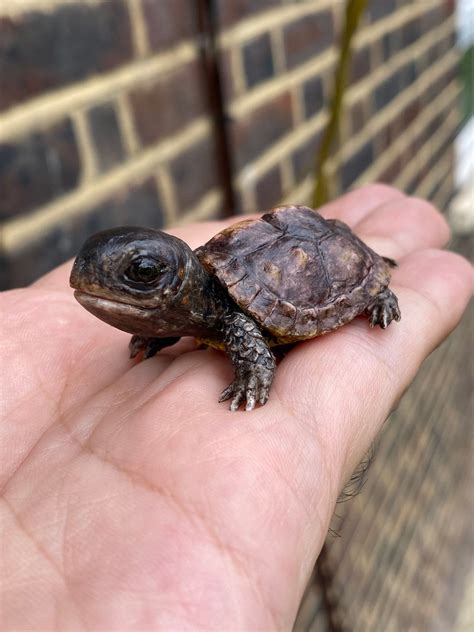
{"points": [[371, 369], [402, 226], [354, 206]]}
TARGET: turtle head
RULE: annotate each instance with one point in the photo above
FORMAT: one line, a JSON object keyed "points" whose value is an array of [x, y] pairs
{"points": [[139, 280]]}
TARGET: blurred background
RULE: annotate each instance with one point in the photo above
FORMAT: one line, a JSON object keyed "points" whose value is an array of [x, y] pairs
{"points": [[159, 112]]}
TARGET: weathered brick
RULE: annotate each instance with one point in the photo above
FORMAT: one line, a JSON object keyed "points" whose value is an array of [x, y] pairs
{"points": [[434, 125], [307, 37], [391, 172], [194, 173], [410, 32], [42, 51], [360, 64], [305, 156], [313, 96], [445, 44], [254, 133], [357, 116], [411, 187], [105, 132], [230, 11], [163, 107], [258, 60], [407, 75], [169, 21], [38, 168], [356, 165], [394, 84], [432, 18], [410, 112], [428, 58], [389, 134], [269, 190], [139, 205], [377, 9], [391, 44]]}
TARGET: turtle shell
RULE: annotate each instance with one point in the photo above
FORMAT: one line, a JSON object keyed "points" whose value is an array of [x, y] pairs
{"points": [[295, 273]]}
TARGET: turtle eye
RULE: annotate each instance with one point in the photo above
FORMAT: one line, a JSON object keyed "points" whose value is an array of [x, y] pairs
{"points": [[144, 270]]}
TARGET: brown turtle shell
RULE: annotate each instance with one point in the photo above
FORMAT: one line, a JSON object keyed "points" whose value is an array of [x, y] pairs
{"points": [[295, 273]]}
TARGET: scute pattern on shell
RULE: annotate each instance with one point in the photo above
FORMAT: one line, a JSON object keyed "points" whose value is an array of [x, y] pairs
{"points": [[297, 274]]}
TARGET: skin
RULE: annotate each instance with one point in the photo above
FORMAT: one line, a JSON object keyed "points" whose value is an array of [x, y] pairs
{"points": [[154, 286], [132, 500]]}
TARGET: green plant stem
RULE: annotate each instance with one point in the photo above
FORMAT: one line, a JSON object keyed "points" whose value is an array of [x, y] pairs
{"points": [[354, 11]]}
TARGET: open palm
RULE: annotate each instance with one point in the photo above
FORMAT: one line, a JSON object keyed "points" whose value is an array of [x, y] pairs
{"points": [[131, 499]]}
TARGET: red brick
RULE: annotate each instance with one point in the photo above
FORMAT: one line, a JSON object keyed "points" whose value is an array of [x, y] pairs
{"points": [[169, 21], [357, 115], [253, 134], [139, 205], [391, 44], [389, 133], [194, 173], [431, 19], [410, 32], [38, 168], [378, 9], [304, 157], [269, 190], [356, 165], [360, 64], [230, 11], [164, 107], [106, 137], [313, 96], [44, 51], [258, 60], [307, 37], [410, 113], [391, 173]]}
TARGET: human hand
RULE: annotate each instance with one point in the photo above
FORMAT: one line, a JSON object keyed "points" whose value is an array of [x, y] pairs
{"points": [[131, 499]]}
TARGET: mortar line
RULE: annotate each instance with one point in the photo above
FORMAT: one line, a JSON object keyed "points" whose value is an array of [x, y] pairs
{"points": [[48, 108], [261, 95], [21, 230]]}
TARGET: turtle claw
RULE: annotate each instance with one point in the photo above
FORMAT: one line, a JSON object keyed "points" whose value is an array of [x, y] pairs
{"points": [[236, 392], [149, 346], [226, 393], [251, 389], [384, 309]]}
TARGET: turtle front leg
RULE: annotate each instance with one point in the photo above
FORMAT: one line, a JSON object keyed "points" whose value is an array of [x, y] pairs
{"points": [[149, 346], [383, 309], [254, 363]]}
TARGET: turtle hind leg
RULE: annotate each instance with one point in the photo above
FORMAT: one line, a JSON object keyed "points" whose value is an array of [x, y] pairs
{"points": [[383, 309]]}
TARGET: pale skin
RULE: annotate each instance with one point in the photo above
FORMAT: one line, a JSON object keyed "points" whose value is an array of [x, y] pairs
{"points": [[131, 499]]}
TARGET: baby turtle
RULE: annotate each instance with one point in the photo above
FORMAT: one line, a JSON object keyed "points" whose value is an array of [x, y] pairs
{"points": [[286, 277]]}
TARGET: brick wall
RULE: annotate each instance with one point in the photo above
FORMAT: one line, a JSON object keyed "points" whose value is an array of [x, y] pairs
{"points": [[106, 116], [400, 113], [104, 120]]}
